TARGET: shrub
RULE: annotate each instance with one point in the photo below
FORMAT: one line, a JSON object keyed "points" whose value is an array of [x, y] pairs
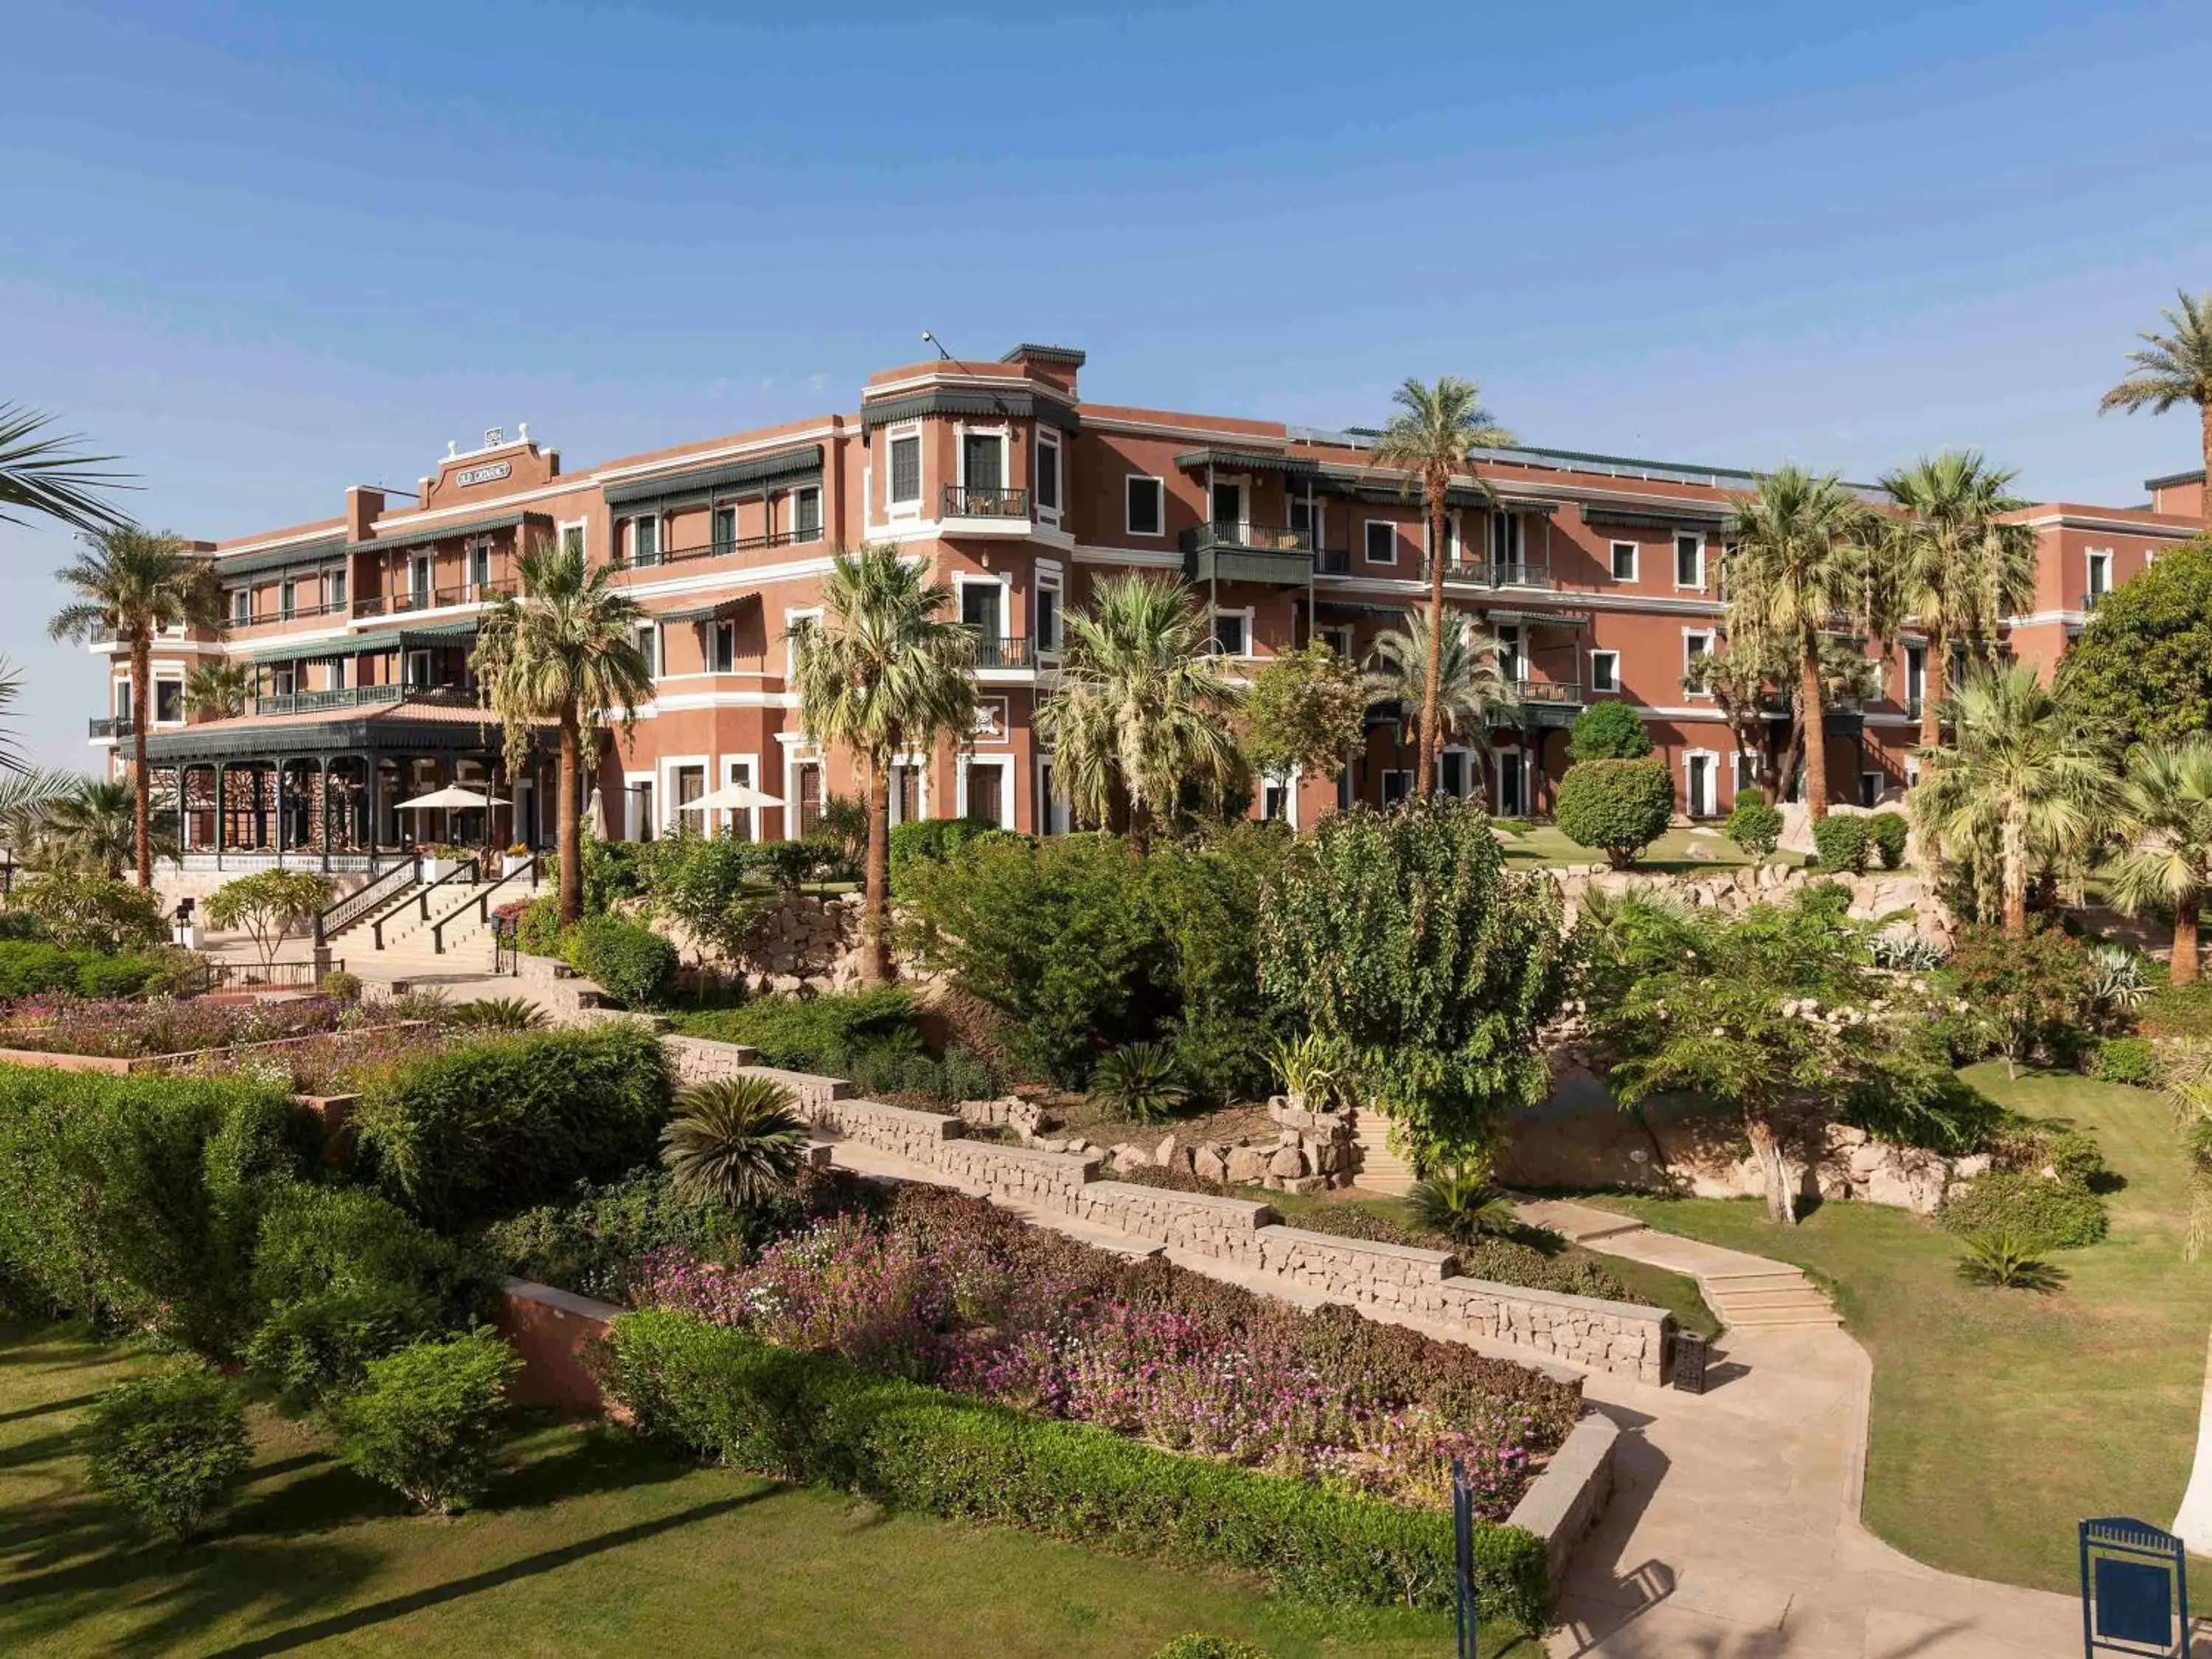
{"points": [[726, 1393], [2035, 1213], [341, 987], [104, 976], [2030, 995], [626, 959], [735, 1141], [314, 1350], [705, 882], [1841, 842], [612, 873], [87, 912], [502, 1123], [1904, 951], [1462, 1205], [590, 1240], [168, 1448], [426, 1422], [1138, 1083], [1889, 835], [537, 927], [2003, 1262], [788, 863], [819, 1033], [497, 1014], [930, 841], [2130, 1060], [2182, 1011], [29, 968], [1608, 731], [1754, 827], [1196, 1646], [1621, 806], [268, 906]]}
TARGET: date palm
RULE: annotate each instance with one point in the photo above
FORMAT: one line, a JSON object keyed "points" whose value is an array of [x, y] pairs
{"points": [[2174, 367], [1953, 563], [43, 471], [2165, 824], [1143, 705], [883, 671], [1430, 439], [132, 584], [1472, 694], [562, 652], [734, 1141], [1796, 570], [218, 690], [93, 827], [2019, 771]]}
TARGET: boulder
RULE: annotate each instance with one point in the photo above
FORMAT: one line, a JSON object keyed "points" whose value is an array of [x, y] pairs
{"points": [[1125, 1155], [1247, 1165], [1288, 1162], [1168, 1155], [1210, 1164]]}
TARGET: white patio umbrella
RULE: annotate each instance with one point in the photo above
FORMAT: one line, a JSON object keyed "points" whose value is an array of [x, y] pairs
{"points": [[732, 798], [595, 814], [451, 799]]}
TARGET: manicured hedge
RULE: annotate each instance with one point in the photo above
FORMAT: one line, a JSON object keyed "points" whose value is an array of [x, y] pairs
{"points": [[1888, 834], [813, 1416], [1843, 843], [929, 840], [495, 1126], [626, 959], [2037, 1212], [28, 967]]}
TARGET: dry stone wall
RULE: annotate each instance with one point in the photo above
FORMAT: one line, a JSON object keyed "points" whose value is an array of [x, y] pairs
{"points": [[1876, 895]]}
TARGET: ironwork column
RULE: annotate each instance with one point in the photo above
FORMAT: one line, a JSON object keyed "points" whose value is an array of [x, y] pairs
{"points": [[221, 823]]}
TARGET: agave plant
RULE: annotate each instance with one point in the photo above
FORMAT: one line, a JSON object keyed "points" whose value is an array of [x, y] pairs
{"points": [[734, 1141], [2004, 1262], [1317, 1070], [1141, 1082], [1905, 951], [1462, 1205], [497, 1014], [2116, 977]]}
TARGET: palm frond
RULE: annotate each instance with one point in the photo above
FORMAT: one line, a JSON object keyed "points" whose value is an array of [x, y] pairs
{"points": [[45, 472]]}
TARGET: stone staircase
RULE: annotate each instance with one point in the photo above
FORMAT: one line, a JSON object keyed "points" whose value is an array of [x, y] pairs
{"points": [[408, 950], [1773, 1295], [1744, 1291]]}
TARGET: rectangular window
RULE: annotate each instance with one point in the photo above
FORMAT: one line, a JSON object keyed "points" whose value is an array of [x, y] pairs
{"points": [[1690, 561], [741, 822], [648, 644], [810, 796], [1337, 639], [1698, 775], [645, 541], [1381, 542], [979, 608], [725, 532], [168, 702], [1232, 633], [806, 515], [906, 794], [2101, 575], [986, 791], [1397, 784], [1505, 538], [691, 784], [906, 470], [241, 606], [1048, 619], [418, 577], [1510, 663], [983, 461], [285, 679], [1695, 644], [1147, 507], [1916, 675], [284, 599], [480, 567], [1624, 562], [722, 647], [1451, 773], [571, 538], [1605, 670], [1275, 802], [334, 590], [1048, 475]]}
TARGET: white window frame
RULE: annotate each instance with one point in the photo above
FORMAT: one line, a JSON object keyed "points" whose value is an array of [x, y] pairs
{"points": [[791, 616], [1048, 440], [1336, 631], [479, 548], [155, 708], [668, 766], [918, 765], [1049, 581], [1006, 765], [715, 634], [629, 537], [894, 436], [1251, 643], [1611, 657], [1160, 489], [1367, 528], [964, 579], [1470, 774], [1500, 760], [1916, 684], [2096, 559], [1516, 528], [583, 529], [962, 432], [407, 680], [1674, 548], [1695, 639], [1635, 551], [241, 606], [821, 521], [751, 763], [1743, 773], [656, 652], [1286, 785], [634, 829], [1317, 527], [1242, 483], [336, 589], [1713, 773], [421, 576], [1054, 812]]}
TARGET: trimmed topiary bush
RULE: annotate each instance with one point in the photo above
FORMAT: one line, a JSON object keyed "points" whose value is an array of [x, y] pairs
{"points": [[168, 1448], [1888, 833], [1619, 806], [1754, 827], [1841, 842], [1608, 731], [626, 959], [2035, 1213], [427, 1421]]}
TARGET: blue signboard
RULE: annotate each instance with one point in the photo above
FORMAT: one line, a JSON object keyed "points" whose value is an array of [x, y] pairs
{"points": [[2134, 1591]]}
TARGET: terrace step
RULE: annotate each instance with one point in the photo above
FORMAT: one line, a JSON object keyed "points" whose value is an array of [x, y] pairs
{"points": [[1770, 1296]]}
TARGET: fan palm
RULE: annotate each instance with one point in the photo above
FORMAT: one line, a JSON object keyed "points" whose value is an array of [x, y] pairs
{"points": [[1143, 705], [93, 827], [1797, 567], [564, 650], [1430, 439], [2165, 824], [218, 690], [1471, 691], [1953, 562], [2172, 368], [734, 1141], [2020, 772], [883, 671], [42, 472], [133, 584]]}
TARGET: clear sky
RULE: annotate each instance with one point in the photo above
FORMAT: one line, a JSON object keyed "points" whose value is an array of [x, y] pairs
{"points": [[265, 251]]}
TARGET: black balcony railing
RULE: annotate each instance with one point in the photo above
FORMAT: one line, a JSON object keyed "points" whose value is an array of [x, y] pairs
{"points": [[435, 599], [288, 613], [1550, 691], [1334, 561], [996, 652], [2090, 601], [1234, 535], [1493, 572], [112, 725], [360, 696], [966, 502], [726, 547]]}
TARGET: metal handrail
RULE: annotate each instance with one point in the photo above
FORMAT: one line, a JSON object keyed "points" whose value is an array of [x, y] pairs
{"points": [[985, 501], [399, 603], [722, 550], [1237, 535], [113, 726], [363, 899], [469, 866], [483, 902], [1007, 651]]}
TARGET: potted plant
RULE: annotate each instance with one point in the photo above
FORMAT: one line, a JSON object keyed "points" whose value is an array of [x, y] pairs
{"points": [[437, 863], [514, 860]]}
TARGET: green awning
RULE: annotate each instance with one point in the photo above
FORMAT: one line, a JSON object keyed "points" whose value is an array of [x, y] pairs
{"points": [[1019, 402], [415, 537], [704, 480], [1539, 618], [301, 555], [1690, 517], [1248, 460], [290, 648], [713, 611]]}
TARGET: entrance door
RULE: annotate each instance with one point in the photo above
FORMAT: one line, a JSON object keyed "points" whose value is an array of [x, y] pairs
{"points": [[1700, 779], [691, 784], [1228, 511], [810, 798], [986, 791], [1512, 802]]}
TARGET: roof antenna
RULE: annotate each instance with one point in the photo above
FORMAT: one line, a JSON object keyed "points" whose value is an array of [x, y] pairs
{"points": [[929, 339]]}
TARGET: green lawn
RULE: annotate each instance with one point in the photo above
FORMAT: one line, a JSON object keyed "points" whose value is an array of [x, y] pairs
{"points": [[2001, 1417], [1541, 846], [590, 1544]]}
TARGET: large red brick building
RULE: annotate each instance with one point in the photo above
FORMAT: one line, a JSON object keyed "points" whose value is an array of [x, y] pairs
{"points": [[1600, 576]]}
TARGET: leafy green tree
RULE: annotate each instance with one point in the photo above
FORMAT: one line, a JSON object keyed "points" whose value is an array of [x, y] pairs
{"points": [[1608, 731], [736, 1141], [883, 671], [1403, 937], [1145, 708], [1621, 806], [268, 906], [1741, 678], [1798, 565], [1431, 440], [1472, 692], [84, 910], [564, 651], [132, 584], [427, 1421], [2021, 771], [2174, 367], [2141, 672], [2028, 991], [708, 884], [42, 472], [169, 1448], [1306, 713], [2164, 820], [1755, 826]]}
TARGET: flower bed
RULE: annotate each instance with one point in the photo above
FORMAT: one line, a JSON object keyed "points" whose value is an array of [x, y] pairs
{"points": [[131, 1030], [341, 1062], [953, 1291]]}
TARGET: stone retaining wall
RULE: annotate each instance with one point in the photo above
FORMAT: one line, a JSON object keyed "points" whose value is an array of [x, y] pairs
{"points": [[697, 1060], [1220, 1229], [1565, 1502], [894, 1129], [1050, 1180]]}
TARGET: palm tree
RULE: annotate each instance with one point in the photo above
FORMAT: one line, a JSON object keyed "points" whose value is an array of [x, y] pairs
{"points": [[1472, 694], [2174, 368], [883, 671], [93, 826], [42, 472], [218, 690], [2020, 772], [564, 650], [134, 583], [1429, 438], [1143, 705], [734, 1141], [2165, 823], [1797, 567], [1953, 563]]}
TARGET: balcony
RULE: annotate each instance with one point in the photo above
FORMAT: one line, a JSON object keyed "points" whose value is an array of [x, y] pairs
{"points": [[1334, 561], [360, 696], [962, 501], [283, 614], [1548, 702], [433, 598], [1491, 573], [726, 548], [1238, 552], [996, 652], [2090, 601], [112, 725]]}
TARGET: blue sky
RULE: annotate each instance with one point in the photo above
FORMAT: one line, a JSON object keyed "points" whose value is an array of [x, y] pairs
{"points": [[262, 251]]}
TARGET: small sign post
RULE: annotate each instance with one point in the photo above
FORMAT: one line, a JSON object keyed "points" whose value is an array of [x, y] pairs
{"points": [[2134, 1591], [1464, 1603]]}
